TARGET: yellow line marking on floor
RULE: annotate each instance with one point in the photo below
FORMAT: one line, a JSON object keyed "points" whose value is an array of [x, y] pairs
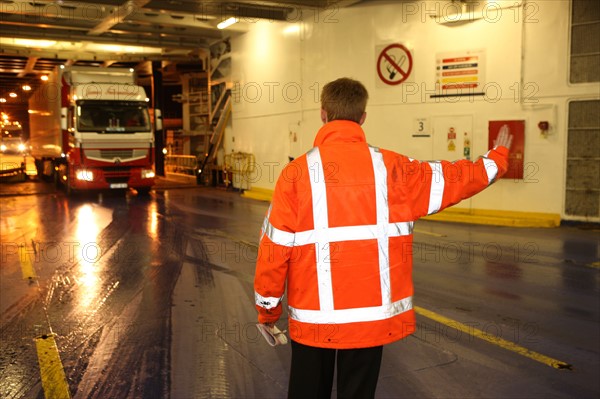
{"points": [[511, 346], [429, 233], [27, 269], [595, 265], [54, 380]]}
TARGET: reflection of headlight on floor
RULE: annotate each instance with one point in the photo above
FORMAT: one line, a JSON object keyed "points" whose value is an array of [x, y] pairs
{"points": [[21, 147], [84, 174], [147, 174], [2, 148]]}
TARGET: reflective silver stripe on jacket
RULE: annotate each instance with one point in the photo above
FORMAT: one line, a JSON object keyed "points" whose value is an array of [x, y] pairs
{"points": [[383, 218], [355, 315], [321, 223], [436, 193], [266, 302], [276, 235], [490, 168], [334, 234], [437, 187]]}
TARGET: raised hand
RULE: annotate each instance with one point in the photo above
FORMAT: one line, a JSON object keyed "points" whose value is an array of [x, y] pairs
{"points": [[504, 137]]}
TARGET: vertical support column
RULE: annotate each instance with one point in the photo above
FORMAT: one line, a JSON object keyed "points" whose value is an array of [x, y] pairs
{"points": [[157, 103]]}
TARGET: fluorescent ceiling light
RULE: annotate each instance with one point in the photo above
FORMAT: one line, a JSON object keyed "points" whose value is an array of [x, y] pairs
{"points": [[466, 13], [227, 23], [31, 42], [292, 29], [461, 11], [80, 46], [120, 49]]}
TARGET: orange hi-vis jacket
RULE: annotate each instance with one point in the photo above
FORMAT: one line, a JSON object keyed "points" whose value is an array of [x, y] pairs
{"points": [[339, 229]]}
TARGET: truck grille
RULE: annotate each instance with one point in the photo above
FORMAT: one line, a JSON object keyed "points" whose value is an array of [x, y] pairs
{"points": [[110, 154], [117, 175]]}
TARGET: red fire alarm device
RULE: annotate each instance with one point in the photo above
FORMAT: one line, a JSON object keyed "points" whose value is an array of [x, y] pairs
{"points": [[517, 149]]}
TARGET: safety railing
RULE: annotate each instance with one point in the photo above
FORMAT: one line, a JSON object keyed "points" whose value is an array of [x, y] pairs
{"points": [[239, 170], [183, 166]]}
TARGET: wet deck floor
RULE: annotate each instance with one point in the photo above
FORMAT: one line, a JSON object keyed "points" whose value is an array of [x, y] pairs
{"points": [[152, 297]]}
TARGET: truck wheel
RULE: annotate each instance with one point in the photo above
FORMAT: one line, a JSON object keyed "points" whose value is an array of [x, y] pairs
{"points": [[68, 188], [145, 191], [55, 177], [39, 168], [22, 174]]}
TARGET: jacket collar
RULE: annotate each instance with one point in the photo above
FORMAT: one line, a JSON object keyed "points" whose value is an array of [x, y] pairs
{"points": [[340, 131]]}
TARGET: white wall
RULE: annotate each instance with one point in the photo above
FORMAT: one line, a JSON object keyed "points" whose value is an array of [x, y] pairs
{"points": [[526, 50], [266, 97]]}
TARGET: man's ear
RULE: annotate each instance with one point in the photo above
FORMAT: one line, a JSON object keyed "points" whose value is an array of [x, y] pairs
{"points": [[362, 118], [323, 116]]}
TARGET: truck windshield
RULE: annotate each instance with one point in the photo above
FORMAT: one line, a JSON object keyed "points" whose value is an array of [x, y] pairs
{"points": [[11, 140], [11, 134], [112, 117]]}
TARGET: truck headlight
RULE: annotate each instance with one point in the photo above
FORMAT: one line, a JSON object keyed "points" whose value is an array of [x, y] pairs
{"points": [[84, 174], [2, 148], [147, 174], [21, 147]]}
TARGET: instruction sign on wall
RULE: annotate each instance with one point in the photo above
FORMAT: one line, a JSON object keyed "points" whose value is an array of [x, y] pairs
{"points": [[460, 73], [452, 137], [394, 64]]}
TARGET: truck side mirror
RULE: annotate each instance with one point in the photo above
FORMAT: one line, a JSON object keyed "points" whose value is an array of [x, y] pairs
{"points": [[158, 120], [64, 118]]}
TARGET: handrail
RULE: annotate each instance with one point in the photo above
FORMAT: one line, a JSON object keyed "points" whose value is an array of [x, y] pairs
{"points": [[216, 139], [240, 168], [218, 133], [216, 108], [182, 165]]}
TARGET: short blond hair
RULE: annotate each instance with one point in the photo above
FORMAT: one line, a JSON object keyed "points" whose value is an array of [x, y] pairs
{"points": [[344, 99]]}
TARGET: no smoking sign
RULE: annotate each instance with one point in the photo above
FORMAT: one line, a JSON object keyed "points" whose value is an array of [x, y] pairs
{"points": [[394, 64]]}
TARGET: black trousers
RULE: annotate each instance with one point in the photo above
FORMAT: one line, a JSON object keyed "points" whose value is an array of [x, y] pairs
{"points": [[311, 375]]}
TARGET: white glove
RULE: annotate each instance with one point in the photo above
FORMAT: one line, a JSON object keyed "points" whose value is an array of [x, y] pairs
{"points": [[273, 335], [504, 137]]}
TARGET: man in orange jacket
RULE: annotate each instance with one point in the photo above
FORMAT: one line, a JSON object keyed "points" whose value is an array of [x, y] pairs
{"points": [[339, 231]]}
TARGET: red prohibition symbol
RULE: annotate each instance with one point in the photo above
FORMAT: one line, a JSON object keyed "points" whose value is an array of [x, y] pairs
{"points": [[390, 64]]}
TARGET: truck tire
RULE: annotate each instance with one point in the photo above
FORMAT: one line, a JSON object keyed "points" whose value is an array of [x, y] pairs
{"points": [[39, 168], [55, 176], [69, 190]]}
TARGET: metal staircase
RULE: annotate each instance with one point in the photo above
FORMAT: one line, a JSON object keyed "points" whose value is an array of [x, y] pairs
{"points": [[219, 117]]}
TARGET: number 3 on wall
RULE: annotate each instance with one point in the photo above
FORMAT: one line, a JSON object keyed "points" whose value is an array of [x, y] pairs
{"points": [[421, 126]]}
